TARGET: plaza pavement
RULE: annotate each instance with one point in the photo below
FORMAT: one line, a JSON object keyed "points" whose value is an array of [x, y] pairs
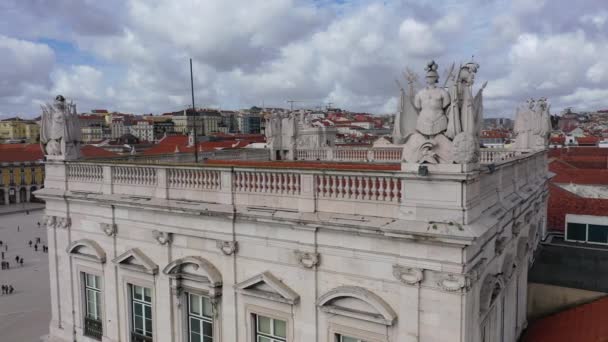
{"points": [[24, 315]]}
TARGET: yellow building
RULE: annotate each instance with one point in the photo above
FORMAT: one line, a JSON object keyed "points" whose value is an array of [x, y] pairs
{"points": [[19, 130], [21, 172]]}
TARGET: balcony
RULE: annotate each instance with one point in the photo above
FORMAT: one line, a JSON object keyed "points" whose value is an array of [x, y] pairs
{"points": [[135, 337], [93, 328], [388, 154], [387, 190]]}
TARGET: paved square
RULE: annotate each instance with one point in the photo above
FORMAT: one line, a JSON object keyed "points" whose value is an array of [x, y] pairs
{"points": [[25, 314]]}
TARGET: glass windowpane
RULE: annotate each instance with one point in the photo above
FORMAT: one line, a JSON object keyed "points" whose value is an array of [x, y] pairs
{"points": [[149, 326], [194, 337], [207, 307], [264, 324], [148, 311], [577, 231], [147, 295], [264, 339], [195, 325], [195, 304], [137, 292], [137, 309], [207, 329], [279, 328], [139, 323], [598, 233]]}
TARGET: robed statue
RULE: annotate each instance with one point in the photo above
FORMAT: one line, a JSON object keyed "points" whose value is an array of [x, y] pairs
{"points": [[448, 118], [60, 130]]}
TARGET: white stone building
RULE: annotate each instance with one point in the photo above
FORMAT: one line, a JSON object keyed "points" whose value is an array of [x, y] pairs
{"points": [[297, 253]]}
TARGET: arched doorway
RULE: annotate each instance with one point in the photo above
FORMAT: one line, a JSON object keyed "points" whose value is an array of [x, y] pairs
{"points": [[22, 195], [32, 197], [12, 196]]}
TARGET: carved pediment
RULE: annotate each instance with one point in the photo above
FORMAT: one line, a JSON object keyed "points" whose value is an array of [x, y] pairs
{"points": [[136, 260], [359, 303], [87, 249], [194, 268], [266, 285]]}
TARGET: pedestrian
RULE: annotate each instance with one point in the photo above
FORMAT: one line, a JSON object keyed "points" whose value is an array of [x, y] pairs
{"points": [[0, 242], [17, 258], [3, 289], [10, 289], [6, 247], [8, 265], [37, 240], [21, 262], [36, 248], [2, 255], [38, 224], [30, 243], [18, 228]]}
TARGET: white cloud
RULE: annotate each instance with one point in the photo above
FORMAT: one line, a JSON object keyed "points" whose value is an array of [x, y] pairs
{"points": [[247, 52]]}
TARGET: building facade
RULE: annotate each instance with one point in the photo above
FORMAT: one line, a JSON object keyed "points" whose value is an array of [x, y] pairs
{"points": [[19, 180], [20, 130], [292, 251]]}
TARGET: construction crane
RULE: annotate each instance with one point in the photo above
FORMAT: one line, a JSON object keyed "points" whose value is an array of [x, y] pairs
{"points": [[291, 102]]}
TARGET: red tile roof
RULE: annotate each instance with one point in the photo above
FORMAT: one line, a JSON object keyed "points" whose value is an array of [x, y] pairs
{"points": [[587, 140], [584, 323], [562, 202], [169, 144], [572, 174], [11, 153]]}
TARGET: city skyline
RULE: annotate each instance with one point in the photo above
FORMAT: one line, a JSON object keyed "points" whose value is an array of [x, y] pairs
{"points": [[133, 55]]}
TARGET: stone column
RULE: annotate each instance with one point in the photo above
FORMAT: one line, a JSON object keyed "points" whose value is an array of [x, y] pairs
{"points": [[17, 196], [27, 194]]}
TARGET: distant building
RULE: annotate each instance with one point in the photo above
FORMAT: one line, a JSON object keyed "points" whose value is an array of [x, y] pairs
{"points": [[207, 121], [17, 129]]}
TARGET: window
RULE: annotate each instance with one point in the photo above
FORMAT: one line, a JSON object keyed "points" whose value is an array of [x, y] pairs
{"points": [[269, 329], [582, 232], [93, 326], [343, 338], [200, 318], [576, 232], [141, 314], [598, 233]]}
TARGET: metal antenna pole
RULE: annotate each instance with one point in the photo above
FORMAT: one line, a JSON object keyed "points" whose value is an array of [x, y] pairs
{"points": [[194, 114]]}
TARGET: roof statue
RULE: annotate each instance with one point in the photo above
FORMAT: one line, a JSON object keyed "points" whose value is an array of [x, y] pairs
{"points": [[532, 124], [60, 130], [448, 118]]}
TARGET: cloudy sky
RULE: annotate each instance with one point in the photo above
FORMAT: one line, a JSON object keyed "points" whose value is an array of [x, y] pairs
{"points": [[132, 55]]}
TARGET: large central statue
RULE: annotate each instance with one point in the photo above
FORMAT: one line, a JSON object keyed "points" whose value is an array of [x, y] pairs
{"points": [[448, 118], [432, 103]]}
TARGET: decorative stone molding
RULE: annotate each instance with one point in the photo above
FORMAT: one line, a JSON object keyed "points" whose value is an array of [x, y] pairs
{"points": [[452, 282], [528, 217], [499, 245], [109, 229], [517, 225], [537, 207], [408, 275], [88, 249], [161, 237], [307, 259], [63, 222], [387, 315], [50, 221], [475, 272], [227, 247]]}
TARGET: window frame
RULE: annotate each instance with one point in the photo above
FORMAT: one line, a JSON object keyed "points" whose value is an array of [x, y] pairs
{"points": [[277, 311], [271, 337], [201, 318], [587, 227], [97, 289], [132, 314]]}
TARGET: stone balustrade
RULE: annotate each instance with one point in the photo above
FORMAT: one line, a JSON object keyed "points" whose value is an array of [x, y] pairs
{"points": [[388, 154], [359, 189]]}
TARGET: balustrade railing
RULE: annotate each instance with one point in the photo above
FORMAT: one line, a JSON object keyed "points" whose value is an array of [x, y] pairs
{"points": [[194, 179], [135, 337], [134, 175], [283, 183], [93, 328], [85, 173], [353, 187], [387, 154]]}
